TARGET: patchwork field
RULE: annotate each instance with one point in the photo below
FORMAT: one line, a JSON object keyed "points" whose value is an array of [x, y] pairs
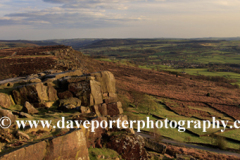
{"points": [[195, 57]]}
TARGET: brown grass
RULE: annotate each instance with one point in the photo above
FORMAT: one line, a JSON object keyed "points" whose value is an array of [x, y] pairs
{"points": [[179, 89]]}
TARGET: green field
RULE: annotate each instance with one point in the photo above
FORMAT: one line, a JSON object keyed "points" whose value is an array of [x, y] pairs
{"points": [[234, 134], [173, 133], [205, 72], [205, 57]]}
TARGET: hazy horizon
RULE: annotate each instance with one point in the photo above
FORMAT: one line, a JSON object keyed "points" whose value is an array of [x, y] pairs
{"points": [[194, 38], [70, 19]]}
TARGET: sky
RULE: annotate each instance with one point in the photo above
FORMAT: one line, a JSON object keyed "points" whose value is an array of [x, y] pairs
{"points": [[65, 19]]}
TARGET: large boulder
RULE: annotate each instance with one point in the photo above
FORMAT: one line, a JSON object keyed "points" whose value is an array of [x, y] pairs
{"points": [[96, 92], [52, 93], [9, 114], [33, 93], [88, 91], [17, 97], [92, 88], [28, 108], [130, 147], [5, 101], [71, 146], [106, 80], [82, 91]]}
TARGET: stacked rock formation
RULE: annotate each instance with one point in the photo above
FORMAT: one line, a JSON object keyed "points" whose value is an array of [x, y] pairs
{"points": [[91, 95]]}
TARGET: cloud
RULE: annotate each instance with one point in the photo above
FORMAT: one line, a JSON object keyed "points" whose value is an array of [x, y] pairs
{"points": [[94, 4], [59, 17], [139, 15], [75, 14], [55, 1], [7, 21]]}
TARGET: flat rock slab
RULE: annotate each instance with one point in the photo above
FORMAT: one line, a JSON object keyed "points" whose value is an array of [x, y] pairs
{"points": [[72, 146], [64, 74]]}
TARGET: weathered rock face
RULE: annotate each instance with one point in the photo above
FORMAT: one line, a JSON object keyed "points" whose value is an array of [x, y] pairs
{"points": [[52, 93], [82, 91], [92, 89], [100, 109], [88, 91], [35, 93], [28, 108], [5, 101], [106, 80], [96, 93], [93, 95], [131, 147], [71, 146]]}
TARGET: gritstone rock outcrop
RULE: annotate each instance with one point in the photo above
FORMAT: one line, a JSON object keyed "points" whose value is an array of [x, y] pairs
{"points": [[91, 96]]}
